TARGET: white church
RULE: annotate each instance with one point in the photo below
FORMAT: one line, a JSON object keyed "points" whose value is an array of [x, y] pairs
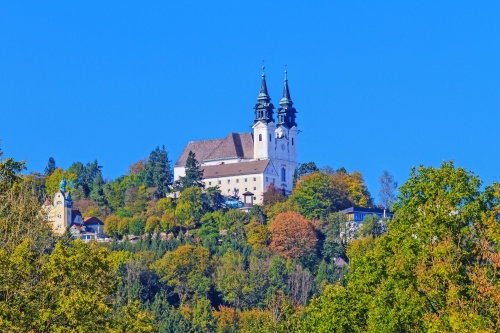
{"points": [[250, 162]]}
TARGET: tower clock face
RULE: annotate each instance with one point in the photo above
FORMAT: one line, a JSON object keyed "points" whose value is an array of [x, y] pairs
{"points": [[282, 146]]}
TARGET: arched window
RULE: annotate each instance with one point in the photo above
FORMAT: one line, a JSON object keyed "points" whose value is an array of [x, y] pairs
{"points": [[283, 174], [292, 141], [260, 137]]}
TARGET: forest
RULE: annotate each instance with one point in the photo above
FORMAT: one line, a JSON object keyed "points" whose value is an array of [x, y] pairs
{"points": [[198, 266]]}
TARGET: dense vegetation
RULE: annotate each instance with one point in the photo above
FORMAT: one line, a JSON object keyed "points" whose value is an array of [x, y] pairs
{"points": [[198, 267]]}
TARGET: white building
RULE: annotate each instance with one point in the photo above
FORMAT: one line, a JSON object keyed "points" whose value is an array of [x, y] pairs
{"points": [[251, 161]]}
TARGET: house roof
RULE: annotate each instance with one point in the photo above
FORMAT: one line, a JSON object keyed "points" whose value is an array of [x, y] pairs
{"points": [[234, 169], [76, 212], [92, 220], [357, 209], [339, 262], [235, 145]]}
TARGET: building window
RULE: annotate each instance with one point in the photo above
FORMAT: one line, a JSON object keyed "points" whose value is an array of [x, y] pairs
{"points": [[255, 198], [237, 180], [254, 179], [220, 182], [229, 181], [260, 137], [269, 137], [292, 141], [228, 190], [209, 183], [245, 180], [246, 189], [274, 180], [267, 179], [255, 188], [283, 174]]}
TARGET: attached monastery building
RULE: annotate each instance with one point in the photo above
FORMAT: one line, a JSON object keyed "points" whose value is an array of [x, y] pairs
{"points": [[250, 162]]}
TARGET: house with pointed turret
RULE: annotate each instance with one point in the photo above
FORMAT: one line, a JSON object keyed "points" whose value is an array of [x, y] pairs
{"points": [[250, 162]]}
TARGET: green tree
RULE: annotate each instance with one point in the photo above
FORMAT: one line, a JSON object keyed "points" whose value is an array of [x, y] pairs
{"points": [[157, 172], [193, 173], [304, 169], [111, 225], [187, 270], [137, 225], [124, 225], [97, 193], [189, 209], [232, 278], [319, 194], [153, 224]]}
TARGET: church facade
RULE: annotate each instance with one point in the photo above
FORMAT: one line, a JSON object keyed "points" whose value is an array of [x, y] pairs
{"points": [[250, 162]]}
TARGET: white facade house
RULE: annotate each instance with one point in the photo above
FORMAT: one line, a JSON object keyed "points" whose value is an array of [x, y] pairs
{"points": [[250, 162]]}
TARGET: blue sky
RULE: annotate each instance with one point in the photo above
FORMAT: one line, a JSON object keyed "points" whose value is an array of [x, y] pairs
{"points": [[378, 85]]}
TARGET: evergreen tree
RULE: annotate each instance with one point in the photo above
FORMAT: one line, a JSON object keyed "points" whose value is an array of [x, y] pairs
{"points": [[97, 193], [193, 175], [157, 172], [51, 166]]}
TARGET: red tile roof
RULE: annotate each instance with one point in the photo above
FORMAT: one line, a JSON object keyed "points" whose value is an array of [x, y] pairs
{"points": [[92, 220], [235, 145]]}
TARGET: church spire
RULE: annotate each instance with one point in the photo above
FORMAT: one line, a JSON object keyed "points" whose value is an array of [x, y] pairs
{"points": [[264, 108], [286, 111], [263, 95], [286, 99]]}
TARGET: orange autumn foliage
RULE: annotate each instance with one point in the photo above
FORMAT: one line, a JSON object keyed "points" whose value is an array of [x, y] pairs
{"points": [[292, 235]]}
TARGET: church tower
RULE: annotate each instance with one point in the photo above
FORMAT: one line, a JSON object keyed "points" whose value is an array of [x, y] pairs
{"points": [[286, 159], [264, 126]]}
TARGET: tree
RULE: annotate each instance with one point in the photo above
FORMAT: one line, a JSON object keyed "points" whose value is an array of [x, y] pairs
{"points": [[433, 270], [193, 174], [123, 226], [111, 225], [304, 169], [187, 270], [189, 209], [97, 193], [85, 175], [319, 194], [213, 199], [153, 224], [358, 191], [292, 235], [232, 278], [51, 166], [272, 196], [137, 225], [387, 187], [157, 172], [53, 181]]}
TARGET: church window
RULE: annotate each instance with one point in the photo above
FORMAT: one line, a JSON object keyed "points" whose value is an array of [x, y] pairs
{"points": [[229, 181], [292, 141], [246, 189], [254, 179], [228, 190], [260, 137], [220, 182], [255, 188], [245, 180], [209, 183], [237, 180], [267, 179], [269, 137], [283, 174]]}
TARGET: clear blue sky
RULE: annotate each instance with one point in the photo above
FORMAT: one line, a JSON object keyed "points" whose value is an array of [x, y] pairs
{"points": [[378, 85]]}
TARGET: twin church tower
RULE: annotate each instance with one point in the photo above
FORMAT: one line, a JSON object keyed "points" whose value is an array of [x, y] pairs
{"points": [[250, 162]]}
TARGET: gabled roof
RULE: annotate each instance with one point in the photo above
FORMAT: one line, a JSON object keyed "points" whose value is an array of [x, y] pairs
{"points": [[234, 169], [235, 145], [92, 220]]}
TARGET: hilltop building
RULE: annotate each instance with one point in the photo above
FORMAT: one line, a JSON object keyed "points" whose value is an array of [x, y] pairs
{"points": [[61, 215], [250, 162]]}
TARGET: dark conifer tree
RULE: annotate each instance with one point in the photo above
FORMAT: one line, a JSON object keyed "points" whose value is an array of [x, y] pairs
{"points": [[97, 193], [51, 166], [157, 172], [194, 175]]}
